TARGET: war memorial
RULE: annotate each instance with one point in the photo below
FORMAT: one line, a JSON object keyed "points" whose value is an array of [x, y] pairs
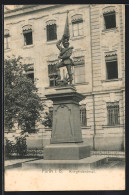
{"points": [[66, 149]]}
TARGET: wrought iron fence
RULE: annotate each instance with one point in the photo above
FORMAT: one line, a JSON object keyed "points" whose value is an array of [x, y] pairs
{"points": [[120, 154], [20, 149]]}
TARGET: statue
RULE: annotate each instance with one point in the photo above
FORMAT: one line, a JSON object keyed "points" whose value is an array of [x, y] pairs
{"points": [[65, 53]]}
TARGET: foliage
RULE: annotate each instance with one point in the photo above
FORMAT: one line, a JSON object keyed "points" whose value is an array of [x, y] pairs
{"points": [[21, 147], [8, 148], [47, 122], [22, 105]]}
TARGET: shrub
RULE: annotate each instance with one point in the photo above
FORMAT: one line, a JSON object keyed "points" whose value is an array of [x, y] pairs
{"points": [[9, 148], [20, 146]]}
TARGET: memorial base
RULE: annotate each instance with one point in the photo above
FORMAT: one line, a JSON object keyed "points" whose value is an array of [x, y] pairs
{"points": [[53, 166], [66, 140], [72, 151]]}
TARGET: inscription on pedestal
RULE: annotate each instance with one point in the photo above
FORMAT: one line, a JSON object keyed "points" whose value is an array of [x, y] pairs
{"points": [[62, 127]]}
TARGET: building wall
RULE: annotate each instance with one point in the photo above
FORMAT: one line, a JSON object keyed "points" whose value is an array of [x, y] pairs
{"points": [[95, 43]]}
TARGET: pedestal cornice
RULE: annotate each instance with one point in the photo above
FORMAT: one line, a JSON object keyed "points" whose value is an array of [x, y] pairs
{"points": [[66, 94]]}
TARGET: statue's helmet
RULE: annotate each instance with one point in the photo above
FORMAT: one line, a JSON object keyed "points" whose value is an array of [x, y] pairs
{"points": [[66, 37]]}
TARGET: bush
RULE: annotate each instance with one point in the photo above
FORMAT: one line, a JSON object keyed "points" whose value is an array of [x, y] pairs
{"points": [[20, 146], [9, 147], [47, 121]]}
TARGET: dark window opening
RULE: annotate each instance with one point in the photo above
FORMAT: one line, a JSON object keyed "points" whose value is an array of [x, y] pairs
{"points": [[30, 76], [52, 73], [113, 114], [110, 20], [52, 69], [28, 38], [83, 117], [51, 32], [52, 81], [112, 69]]}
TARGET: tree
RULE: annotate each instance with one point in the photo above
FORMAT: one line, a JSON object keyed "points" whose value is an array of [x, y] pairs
{"points": [[47, 121], [22, 105]]}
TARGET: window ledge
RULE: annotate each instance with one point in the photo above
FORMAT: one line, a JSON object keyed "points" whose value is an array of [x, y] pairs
{"points": [[85, 83], [48, 129], [27, 46], [85, 127], [51, 42], [110, 30], [111, 80], [77, 37], [7, 50], [110, 126], [11, 131]]}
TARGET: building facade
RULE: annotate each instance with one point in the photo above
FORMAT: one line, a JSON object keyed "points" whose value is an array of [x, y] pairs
{"points": [[97, 33]]}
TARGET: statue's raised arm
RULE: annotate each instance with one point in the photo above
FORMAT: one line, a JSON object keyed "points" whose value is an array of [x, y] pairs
{"points": [[58, 45]]}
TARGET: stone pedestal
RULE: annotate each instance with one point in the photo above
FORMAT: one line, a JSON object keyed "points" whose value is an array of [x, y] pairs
{"points": [[66, 126], [72, 151]]}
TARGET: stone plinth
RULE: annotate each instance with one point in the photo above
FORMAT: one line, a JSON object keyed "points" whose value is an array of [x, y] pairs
{"points": [[66, 115], [66, 141], [72, 151]]}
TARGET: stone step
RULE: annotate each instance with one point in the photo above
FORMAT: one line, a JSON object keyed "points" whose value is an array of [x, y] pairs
{"points": [[10, 164], [86, 163]]}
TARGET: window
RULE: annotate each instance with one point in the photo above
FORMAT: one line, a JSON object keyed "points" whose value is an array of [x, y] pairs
{"points": [[28, 38], [6, 39], [110, 20], [30, 72], [79, 74], [79, 69], [51, 30], [51, 69], [77, 25], [27, 32], [31, 76], [52, 74], [52, 81], [77, 28], [111, 66], [83, 115], [113, 113]]}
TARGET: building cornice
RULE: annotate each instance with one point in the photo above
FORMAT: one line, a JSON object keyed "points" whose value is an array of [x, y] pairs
{"points": [[29, 9], [97, 92]]}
